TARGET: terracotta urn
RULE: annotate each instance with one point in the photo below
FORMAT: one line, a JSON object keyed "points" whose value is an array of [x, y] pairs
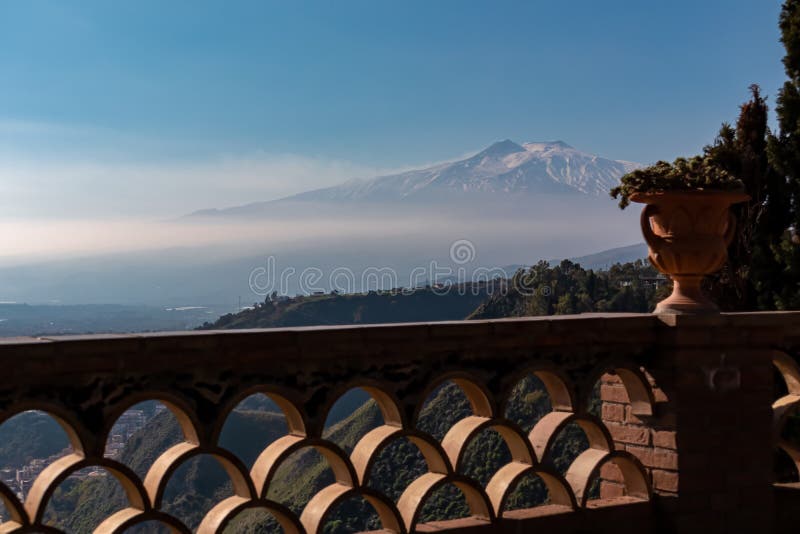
{"points": [[688, 233]]}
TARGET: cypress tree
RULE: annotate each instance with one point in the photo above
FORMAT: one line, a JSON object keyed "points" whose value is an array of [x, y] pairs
{"points": [[763, 271], [783, 290], [751, 277]]}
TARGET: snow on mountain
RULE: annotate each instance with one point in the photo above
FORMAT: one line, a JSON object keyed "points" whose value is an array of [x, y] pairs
{"points": [[504, 167]]}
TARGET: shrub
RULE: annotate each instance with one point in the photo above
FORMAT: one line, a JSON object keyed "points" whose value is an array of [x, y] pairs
{"points": [[696, 173]]}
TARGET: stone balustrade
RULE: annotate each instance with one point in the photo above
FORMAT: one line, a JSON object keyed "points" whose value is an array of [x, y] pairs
{"points": [[682, 416]]}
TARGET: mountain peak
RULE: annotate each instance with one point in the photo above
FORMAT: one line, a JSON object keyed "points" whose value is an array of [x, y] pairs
{"points": [[541, 146], [501, 149], [559, 144], [503, 168]]}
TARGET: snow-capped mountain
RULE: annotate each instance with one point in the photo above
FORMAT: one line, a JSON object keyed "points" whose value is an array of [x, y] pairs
{"points": [[504, 167]]}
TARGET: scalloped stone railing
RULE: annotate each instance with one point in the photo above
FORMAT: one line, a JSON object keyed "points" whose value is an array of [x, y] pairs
{"points": [[682, 416]]}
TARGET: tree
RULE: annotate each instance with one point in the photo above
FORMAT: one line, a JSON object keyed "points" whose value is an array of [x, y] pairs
{"points": [[783, 291], [752, 276], [763, 271]]}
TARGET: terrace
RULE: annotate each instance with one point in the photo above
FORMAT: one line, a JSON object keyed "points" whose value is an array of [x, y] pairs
{"points": [[684, 439]]}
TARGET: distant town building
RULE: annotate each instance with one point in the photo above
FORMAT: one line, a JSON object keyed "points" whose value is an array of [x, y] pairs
{"points": [[19, 479]]}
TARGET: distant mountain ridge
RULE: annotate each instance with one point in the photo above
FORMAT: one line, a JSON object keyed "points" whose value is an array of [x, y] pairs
{"points": [[597, 261], [603, 260], [504, 168]]}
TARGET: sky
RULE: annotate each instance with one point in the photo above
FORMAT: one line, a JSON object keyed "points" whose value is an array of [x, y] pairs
{"points": [[112, 109]]}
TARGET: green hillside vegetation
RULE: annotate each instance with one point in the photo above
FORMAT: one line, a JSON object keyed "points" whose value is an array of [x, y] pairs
{"points": [[30, 435], [543, 289], [79, 505], [397, 306], [569, 288], [401, 462]]}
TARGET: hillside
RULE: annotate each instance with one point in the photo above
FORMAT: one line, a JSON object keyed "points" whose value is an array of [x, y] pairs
{"points": [[569, 288], [543, 289], [79, 505], [422, 304], [27, 436]]}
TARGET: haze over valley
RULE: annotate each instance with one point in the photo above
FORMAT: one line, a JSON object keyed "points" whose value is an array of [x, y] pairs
{"points": [[515, 203]]}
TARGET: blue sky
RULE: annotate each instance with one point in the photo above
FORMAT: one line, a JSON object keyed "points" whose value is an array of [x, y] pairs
{"points": [[157, 107]]}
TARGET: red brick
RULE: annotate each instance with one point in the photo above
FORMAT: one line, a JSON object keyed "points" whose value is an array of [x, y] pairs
{"points": [[629, 434], [608, 378], [644, 454], [613, 412], [609, 490], [665, 480], [630, 418], [614, 393], [664, 459], [611, 472], [665, 439]]}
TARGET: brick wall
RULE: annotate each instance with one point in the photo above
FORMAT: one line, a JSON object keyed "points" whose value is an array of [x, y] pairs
{"points": [[651, 439], [708, 447]]}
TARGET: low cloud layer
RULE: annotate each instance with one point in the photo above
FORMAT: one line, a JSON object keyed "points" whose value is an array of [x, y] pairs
{"points": [[190, 262], [32, 189]]}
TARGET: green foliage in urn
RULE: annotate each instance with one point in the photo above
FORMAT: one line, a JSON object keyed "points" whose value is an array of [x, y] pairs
{"points": [[684, 174]]}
